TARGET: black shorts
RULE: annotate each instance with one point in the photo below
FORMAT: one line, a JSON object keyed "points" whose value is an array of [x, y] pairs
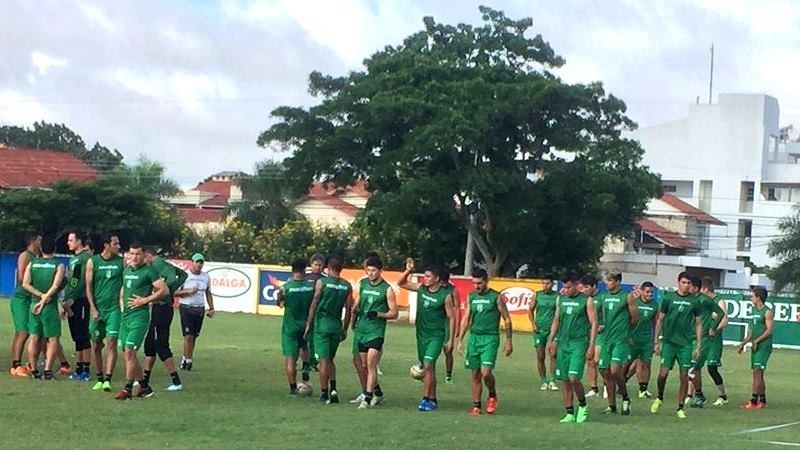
{"points": [[377, 344], [79, 324], [192, 320], [157, 340]]}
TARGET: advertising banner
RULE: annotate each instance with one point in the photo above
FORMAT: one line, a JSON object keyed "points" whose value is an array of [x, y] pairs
{"points": [[786, 329], [270, 278], [233, 286]]}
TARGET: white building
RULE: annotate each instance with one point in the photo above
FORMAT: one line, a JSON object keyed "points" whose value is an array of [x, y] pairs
{"points": [[726, 159]]}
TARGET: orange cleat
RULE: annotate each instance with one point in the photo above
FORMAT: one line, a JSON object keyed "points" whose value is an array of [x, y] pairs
{"points": [[23, 371], [749, 405], [64, 370], [491, 405], [475, 411], [123, 395], [760, 405]]}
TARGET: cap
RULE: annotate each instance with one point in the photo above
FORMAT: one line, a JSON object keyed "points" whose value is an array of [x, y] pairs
{"points": [[198, 257]]}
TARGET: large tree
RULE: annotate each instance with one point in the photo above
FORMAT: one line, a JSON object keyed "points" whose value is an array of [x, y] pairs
{"points": [[472, 120], [146, 175], [59, 137], [786, 249], [267, 200]]}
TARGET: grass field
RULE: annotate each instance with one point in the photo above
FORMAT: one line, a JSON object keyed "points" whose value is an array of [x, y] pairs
{"points": [[236, 398]]}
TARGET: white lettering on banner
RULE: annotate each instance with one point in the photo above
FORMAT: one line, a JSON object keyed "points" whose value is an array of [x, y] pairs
{"points": [[743, 309], [517, 298], [228, 282], [270, 293]]}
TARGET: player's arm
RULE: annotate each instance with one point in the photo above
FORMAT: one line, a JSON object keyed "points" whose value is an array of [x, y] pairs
{"points": [[724, 321], [59, 277], [391, 300], [26, 282], [451, 316], [552, 342], [718, 315], [89, 282], [348, 311], [591, 311], [22, 263], [633, 310], [180, 278], [404, 282], [466, 321], [280, 297], [160, 290], [531, 314], [312, 310], [508, 347], [657, 332], [698, 333], [209, 300]]}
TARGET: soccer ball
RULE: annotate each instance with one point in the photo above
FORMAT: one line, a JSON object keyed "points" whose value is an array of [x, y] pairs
{"points": [[416, 371], [304, 390]]}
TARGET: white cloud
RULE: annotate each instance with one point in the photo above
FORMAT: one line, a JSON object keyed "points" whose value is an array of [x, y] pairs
{"points": [[97, 16], [44, 62], [20, 109]]}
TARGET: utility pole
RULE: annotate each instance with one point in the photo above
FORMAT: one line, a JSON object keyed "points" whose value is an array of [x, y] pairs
{"points": [[711, 75]]}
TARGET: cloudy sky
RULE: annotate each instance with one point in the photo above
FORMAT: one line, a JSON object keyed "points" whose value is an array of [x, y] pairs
{"points": [[191, 83]]}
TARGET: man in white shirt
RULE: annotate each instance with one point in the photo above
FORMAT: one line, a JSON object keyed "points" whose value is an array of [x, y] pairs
{"points": [[194, 295]]}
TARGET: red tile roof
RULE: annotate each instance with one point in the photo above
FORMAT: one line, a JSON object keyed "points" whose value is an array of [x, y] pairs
{"points": [[695, 213], [201, 215], [665, 236], [220, 189], [328, 193], [27, 167]]}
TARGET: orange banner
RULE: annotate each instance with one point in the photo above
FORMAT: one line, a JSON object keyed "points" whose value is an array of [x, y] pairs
{"points": [[355, 275], [517, 294]]}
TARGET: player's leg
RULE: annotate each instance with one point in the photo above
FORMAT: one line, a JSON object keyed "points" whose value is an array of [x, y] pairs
{"points": [[576, 364], [476, 384], [33, 354], [562, 361], [290, 349], [20, 314], [334, 346], [541, 367], [360, 365], [97, 334], [684, 362], [714, 362], [591, 373], [432, 352], [609, 386], [620, 355], [372, 358], [50, 353], [76, 320], [488, 352], [150, 347], [113, 320], [51, 328], [164, 315], [448, 365]]}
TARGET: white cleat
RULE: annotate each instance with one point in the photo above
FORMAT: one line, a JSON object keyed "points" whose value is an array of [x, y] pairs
{"points": [[553, 386], [363, 404], [377, 400], [174, 388], [358, 399], [543, 387], [592, 393]]}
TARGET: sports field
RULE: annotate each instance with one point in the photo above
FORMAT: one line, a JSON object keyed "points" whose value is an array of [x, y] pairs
{"points": [[236, 398]]}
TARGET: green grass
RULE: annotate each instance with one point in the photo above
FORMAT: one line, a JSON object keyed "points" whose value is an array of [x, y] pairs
{"points": [[236, 398]]}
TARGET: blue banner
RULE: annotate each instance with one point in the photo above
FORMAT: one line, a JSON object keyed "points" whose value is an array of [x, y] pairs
{"points": [[268, 283]]}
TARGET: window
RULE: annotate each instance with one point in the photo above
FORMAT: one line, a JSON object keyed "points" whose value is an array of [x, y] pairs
{"points": [[771, 195], [744, 239], [751, 193], [671, 188]]}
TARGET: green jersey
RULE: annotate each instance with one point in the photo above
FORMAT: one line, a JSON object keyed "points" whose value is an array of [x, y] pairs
{"points": [[679, 313], [545, 309], [432, 320], [20, 291], [328, 315], [43, 272], [758, 324], [616, 316], [297, 296], [709, 307], [483, 312], [643, 331], [573, 320], [372, 297], [137, 281], [107, 281], [173, 276], [76, 276]]}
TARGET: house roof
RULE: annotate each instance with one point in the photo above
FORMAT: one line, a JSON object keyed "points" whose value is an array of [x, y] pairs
{"points": [[34, 168], [328, 193], [220, 189], [685, 208], [665, 236], [201, 215]]}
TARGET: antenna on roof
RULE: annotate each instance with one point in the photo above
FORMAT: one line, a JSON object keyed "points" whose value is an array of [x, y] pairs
{"points": [[711, 75]]}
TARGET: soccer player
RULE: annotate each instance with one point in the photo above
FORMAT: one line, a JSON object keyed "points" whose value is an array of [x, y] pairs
{"points": [[572, 342], [358, 364], [444, 279], [642, 337], [42, 279], [588, 286], [541, 312], [77, 304], [482, 319], [317, 266], [295, 296], [103, 284], [711, 348], [194, 296], [161, 314], [619, 316], [434, 310], [679, 320], [759, 336], [21, 306], [141, 285], [376, 304], [332, 294]]}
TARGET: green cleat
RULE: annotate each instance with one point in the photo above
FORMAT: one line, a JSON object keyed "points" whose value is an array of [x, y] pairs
{"points": [[626, 407], [98, 386], [106, 386], [569, 418], [681, 414], [720, 402], [583, 414], [655, 405]]}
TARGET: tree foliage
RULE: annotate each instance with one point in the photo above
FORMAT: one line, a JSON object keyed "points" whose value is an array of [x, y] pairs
{"points": [[462, 119], [146, 176], [786, 248], [267, 200], [96, 208], [58, 137]]}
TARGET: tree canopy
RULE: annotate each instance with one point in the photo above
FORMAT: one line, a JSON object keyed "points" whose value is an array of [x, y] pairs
{"points": [[146, 175], [461, 121], [786, 248], [267, 200]]}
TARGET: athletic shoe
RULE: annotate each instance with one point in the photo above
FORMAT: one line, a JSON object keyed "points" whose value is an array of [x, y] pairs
{"points": [[98, 386], [543, 387], [333, 398], [475, 411], [380, 372], [123, 395], [188, 367], [760, 405], [430, 406], [553, 386], [491, 405], [592, 393], [749, 405], [20, 371], [36, 375], [85, 377], [183, 365], [609, 410], [698, 402], [448, 379], [645, 394], [681, 414], [569, 418], [75, 376], [583, 414], [358, 399], [364, 404], [605, 392], [323, 398], [655, 405], [106, 386], [377, 400], [422, 405], [179, 387], [626, 408], [145, 392], [64, 370], [720, 402]]}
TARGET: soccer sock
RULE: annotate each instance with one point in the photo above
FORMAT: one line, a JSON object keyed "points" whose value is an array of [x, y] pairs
{"points": [[594, 388], [754, 398], [145, 384], [324, 393], [292, 387], [724, 397], [48, 374], [65, 364], [427, 399], [100, 377], [36, 373], [582, 403], [306, 366], [86, 369], [642, 387], [570, 409], [477, 404], [680, 406], [333, 385], [626, 398], [367, 397], [129, 387], [15, 363], [493, 394], [613, 407], [433, 399], [762, 398], [188, 360], [449, 373], [305, 376], [176, 379], [146, 376], [108, 377], [699, 393], [378, 390]]}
